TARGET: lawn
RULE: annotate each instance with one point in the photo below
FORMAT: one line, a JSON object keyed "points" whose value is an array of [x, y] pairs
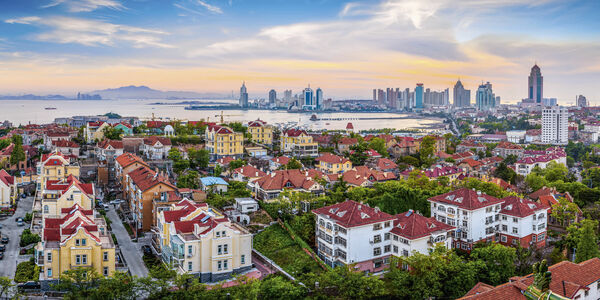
{"points": [[275, 243], [27, 271]]}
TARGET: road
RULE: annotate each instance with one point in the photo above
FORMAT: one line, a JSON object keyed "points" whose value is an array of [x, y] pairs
{"points": [[131, 251], [10, 229]]}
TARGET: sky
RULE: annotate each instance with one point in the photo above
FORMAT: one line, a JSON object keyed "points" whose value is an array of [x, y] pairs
{"points": [[345, 47]]}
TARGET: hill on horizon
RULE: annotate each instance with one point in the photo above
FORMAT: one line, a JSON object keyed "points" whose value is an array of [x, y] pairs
{"points": [[144, 92]]}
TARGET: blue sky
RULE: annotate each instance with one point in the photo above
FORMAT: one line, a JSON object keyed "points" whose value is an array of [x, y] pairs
{"points": [[345, 47]]}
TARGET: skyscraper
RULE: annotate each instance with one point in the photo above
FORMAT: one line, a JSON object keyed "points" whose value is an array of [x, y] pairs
{"points": [[485, 98], [581, 101], [308, 98], [319, 98], [419, 96], [374, 95], [462, 97], [243, 95], [555, 125], [272, 97], [536, 84]]}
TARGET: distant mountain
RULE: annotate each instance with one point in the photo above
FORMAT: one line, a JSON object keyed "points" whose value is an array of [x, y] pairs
{"points": [[144, 92], [34, 97]]}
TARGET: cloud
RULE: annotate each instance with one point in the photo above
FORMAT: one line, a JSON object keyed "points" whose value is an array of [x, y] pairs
{"points": [[88, 32], [212, 8], [86, 5]]}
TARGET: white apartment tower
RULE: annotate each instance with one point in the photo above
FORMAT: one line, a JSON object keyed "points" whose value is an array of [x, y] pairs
{"points": [[555, 125]]}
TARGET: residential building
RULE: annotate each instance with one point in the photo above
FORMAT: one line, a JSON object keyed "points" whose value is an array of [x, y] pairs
{"points": [[274, 183], [195, 239], [505, 149], [414, 233], [66, 147], [362, 176], [536, 85], [581, 101], [469, 145], [8, 190], [94, 131], [333, 164], [278, 162], [523, 223], [555, 125], [354, 233], [298, 143], [540, 159], [568, 281], [247, 173], [345, 143], [54, 166], [405, 146], [213, 184], [64, 193], [109, 150], [438, 146], [272, 98], [261, 132], [223, 141], [516, 136], [156, 147], [126, 163], [145, 186], [77, 238], [126, 128], [474, 214]]}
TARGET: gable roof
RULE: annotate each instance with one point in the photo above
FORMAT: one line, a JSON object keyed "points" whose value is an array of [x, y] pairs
{"points": [[332, 158], [249, 171], [466, 199], [351, 214], [65, 144], [127, 159], [519, 207], [297, 179], [152, 140], [411, 225], [104, 144], [6, 178], [386, 164], [145, 178], [295, 132]]}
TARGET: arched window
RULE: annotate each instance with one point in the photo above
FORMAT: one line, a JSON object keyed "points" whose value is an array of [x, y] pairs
{"points": [[46, 209], [441, 208], [450, 210]]}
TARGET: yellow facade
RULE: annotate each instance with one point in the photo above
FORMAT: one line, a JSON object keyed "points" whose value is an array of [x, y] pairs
{"points": [[300, 144], [262, 134], [55, 167], [53, 203], [223, 141], [334, 168]]}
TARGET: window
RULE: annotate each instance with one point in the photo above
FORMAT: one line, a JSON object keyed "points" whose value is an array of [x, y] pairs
{"points": [[219, 249], [46, 209], [190, 264], [219, 265], [515, 230], [387, 248], [243, 259], [225, 250], [83, 242], [190, 249], [223, 233], [387, 224], [105, 256], [218, 234], [387, 236], [533, 238], [77, 259], [395, 249], [224, 265], [105, 271], [405, 253], [77, 242], [49, 256], [377, 251], [377, 238], [515, 220], [377, 226], [503, 238], [84, 259], [504, 228], [49, 270]]}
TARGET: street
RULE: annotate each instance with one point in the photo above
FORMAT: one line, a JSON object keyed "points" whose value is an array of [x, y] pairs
{"points": [[10, 229], [130, 250]]}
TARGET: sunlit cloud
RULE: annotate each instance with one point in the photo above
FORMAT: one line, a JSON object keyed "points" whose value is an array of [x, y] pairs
{"points": [[86, 5]]}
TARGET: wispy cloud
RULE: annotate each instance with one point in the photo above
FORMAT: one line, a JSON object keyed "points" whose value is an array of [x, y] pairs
{"points": [[86, 5], [92, 32], [212, 8]]}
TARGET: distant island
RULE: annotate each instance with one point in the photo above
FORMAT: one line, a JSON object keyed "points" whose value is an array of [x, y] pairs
{"points": [[144, 92], [34, 97]]}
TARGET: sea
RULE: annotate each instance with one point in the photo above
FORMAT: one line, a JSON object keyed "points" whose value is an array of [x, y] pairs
{"points": [[22, 112]]}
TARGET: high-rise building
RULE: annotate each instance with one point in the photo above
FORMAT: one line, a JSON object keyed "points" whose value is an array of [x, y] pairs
{"points": [[485, 98], [308, 98], [380, 96], [319, 98], [581, 101], [272, 97], [536, 84], [549, 101], [243, 95], [374, 95], [555, 125], [419, 96], [462, 96], [435, 98], [287, 95]]}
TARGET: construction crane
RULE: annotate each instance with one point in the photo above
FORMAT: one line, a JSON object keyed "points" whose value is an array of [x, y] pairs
{"points": [[222, 115]]}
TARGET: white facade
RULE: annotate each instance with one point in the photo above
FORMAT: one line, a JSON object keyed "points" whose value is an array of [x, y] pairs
{"points": [[516, 136], [555, 125]]}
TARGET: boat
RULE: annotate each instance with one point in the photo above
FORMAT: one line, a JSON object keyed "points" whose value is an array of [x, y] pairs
{"points": [[50, 108]]}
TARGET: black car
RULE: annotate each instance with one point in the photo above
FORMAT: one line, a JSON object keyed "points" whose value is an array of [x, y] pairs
{"points": [[2, 248], [4, 240], [146, 249], [29, 285], [1, 255]]}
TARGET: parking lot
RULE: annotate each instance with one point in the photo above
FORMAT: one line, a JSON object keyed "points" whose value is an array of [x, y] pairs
{"points": [[10, 229]]}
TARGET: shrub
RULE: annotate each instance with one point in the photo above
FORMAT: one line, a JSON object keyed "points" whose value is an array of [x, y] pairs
{"points": [[27, 271], [28, 238]]}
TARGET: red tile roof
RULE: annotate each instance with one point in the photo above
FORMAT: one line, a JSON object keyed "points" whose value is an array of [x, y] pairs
{"points": [[297, 179], [65, 144], [152, 140], [352, 214], [220, 129], [257, 123], [349, 126], [249, 171], [144, 178], [348, 141], [282, 160], [518, 207], [127, 159], [411, 225], [6, 178], [332, 158], [466, 199], [509, 145], [106, 143], [386, 164]]}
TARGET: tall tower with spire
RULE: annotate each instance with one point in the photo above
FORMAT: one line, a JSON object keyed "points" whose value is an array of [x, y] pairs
{"points": [[536, 84], [462, 97], [243, 95]]}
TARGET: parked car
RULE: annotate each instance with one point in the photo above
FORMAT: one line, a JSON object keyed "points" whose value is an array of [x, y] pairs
{"points": [[106, 206], [23, 196], [2, 248], [1, 255], [20, 222], [146, 249], [116, 202], [29, 285], [0, 226], [4, 240]]}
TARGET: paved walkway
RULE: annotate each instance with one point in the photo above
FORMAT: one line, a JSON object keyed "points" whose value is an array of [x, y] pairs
{"points": [[10, 229], [130, 250]]}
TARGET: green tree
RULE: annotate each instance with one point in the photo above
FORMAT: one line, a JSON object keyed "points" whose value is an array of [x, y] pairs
{"points": [[179, 163], [587, 241], [427, 149], [277, 287], [345, 283], [564, 211], [506, 173], [238, 163], [199, 158], [535, 182], [78, 283], [510, 159], [188, 180], [542, 277], [112, 133], [411, 160], [498, 263], [293, 164], [6, 288], [379, 145], [217, 170], [18, 154]]}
